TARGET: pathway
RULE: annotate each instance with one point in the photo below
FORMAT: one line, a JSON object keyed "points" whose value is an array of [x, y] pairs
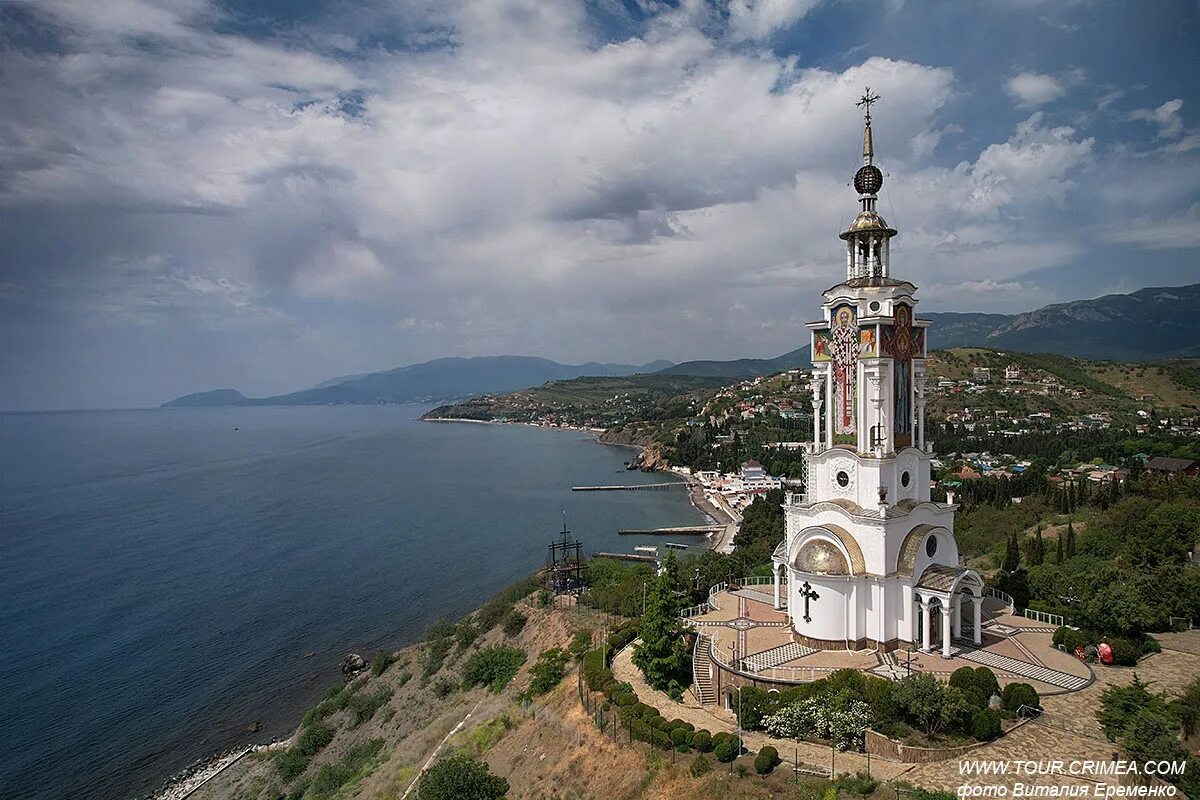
{"points": [[996, 661]]}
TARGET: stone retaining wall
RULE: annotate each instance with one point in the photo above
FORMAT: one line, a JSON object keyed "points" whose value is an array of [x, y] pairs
{"points": [[879, 745]]}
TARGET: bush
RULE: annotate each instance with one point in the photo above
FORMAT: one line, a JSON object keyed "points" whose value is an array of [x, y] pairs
{"points": [[1016, 695], [353, 765], [596, 673], [514, 622], [767, 760], [363, 706], [860, 784], [1126, 652], [458, 777], [443, 687], [493, 666], [699, 766], [703, 741], [985, 724], [292, 762], [381, 662], [727, 749], [550, 669], [679, 737], [581, 642]]}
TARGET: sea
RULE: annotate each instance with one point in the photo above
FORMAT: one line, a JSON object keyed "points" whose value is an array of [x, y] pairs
{"points": [[178, 582]]}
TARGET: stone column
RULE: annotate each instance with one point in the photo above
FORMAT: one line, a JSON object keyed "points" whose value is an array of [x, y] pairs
{"points": [[872, 255], [977, 632], [775, 571], [815, 386], [849, 258], [920, 381], [926, 629], [887, 252], [957, 611], [828, 406], [945, 630]]}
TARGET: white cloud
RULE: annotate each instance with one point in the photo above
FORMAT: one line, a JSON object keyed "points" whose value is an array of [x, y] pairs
{"points": [[1033, 89], [1166, 117], [758, 19]]}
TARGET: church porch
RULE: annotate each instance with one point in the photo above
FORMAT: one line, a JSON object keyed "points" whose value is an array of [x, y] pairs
{"points": [[750, 643]]}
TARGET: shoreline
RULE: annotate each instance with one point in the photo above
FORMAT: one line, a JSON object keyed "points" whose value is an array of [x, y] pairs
{"points": [[189, 779]]}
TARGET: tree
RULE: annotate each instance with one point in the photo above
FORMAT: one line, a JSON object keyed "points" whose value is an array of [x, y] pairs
{"points": [[461, 777], [662, 655], [1070, 539], [1037, 553], [1012, 554], [1058, 550]]}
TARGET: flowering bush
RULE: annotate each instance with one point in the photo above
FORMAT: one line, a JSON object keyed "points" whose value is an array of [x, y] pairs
{"points": [[823, 718]]}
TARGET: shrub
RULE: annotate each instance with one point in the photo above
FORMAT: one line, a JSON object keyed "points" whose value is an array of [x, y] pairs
{"points": [[860, 784], [381, 662], [581, 642], [1016, 695], [354, 765], [514, 622], [699, 766], [743, 771], [1070, 638], [596, 673], [703, 741], [767, 760], [443, 688], [985, 724], [727, 749], [292, 762], [550, 669], [458, 777], [985, 681], [433, 655], [679, 737], [1151, 645], [660, 739], [493, 666], [1126, 652], [363, 706]]}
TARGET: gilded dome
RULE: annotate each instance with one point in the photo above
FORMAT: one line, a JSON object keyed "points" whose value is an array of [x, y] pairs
{"points": [[819, 557], [869, 221]]}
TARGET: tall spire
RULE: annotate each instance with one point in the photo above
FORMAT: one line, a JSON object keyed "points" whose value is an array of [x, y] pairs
{"points": [[868, 140], [867, 240]]}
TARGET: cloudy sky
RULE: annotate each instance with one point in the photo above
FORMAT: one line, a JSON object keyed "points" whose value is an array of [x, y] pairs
{"points": [[262, 194]]}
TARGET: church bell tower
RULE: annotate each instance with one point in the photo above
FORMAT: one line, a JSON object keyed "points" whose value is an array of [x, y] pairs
{"points": [[866, 550]]}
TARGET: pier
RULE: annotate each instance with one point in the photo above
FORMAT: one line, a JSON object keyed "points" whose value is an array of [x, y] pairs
{"points": [[628, 488], [687, 530], [626, 557]]}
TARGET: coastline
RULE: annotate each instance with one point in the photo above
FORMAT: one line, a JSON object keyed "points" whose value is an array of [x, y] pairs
{"points": [[188, 780], [712, 512]]}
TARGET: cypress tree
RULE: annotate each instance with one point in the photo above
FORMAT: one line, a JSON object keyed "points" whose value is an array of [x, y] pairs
{"points": [[1058, 549], [1070, 540], [1012, 554], [1037, 554], [663, 655]]}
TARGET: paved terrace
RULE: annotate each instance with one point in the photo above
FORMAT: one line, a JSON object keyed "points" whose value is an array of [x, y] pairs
{"points": [[747, 631]]}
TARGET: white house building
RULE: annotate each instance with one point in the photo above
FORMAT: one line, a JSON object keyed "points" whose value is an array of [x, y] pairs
{"points": [[868, 560]]}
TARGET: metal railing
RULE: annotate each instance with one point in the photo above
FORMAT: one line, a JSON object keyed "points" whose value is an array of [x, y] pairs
{"points": [[777, 674], [1180, 624], [695, 611], [1057, 620], [1004, 597]]}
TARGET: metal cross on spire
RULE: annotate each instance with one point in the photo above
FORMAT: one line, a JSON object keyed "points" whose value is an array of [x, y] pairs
{"points": [[865, 102]]}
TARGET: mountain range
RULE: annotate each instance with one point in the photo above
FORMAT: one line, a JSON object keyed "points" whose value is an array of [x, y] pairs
{"points": [[1151, 323]]}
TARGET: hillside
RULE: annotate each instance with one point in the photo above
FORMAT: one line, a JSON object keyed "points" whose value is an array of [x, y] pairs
{"points": [[441, 378], [1151, 323], [742, 367]]}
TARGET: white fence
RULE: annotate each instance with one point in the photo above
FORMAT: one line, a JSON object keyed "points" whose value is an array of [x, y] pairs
{"points": [[1180, 624], [1003, 597], [1058, 620], [695, 611]]}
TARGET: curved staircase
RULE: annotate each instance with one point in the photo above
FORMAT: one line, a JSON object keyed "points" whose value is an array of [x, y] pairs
{"points": [[702, 671]]}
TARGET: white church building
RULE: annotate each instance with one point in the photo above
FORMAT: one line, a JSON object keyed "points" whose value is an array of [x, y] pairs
{"points": [[868, 559]]}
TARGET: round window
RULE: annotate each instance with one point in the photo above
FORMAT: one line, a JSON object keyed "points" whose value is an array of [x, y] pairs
{"points": [[931, 546], [905, 478], [874, 306], [843, 479]]}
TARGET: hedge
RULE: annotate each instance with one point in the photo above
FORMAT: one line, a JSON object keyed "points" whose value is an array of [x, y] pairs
{"points": [[1016, 695]]}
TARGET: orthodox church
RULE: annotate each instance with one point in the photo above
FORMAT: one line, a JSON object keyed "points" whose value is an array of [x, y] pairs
{"points": [[868, 559]]}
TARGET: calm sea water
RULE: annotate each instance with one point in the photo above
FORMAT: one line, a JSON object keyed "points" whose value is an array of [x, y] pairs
{"points": [[169, 577]]}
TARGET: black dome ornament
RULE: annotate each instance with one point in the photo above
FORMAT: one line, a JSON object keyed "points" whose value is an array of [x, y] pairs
{"points": [[868, 179]]}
